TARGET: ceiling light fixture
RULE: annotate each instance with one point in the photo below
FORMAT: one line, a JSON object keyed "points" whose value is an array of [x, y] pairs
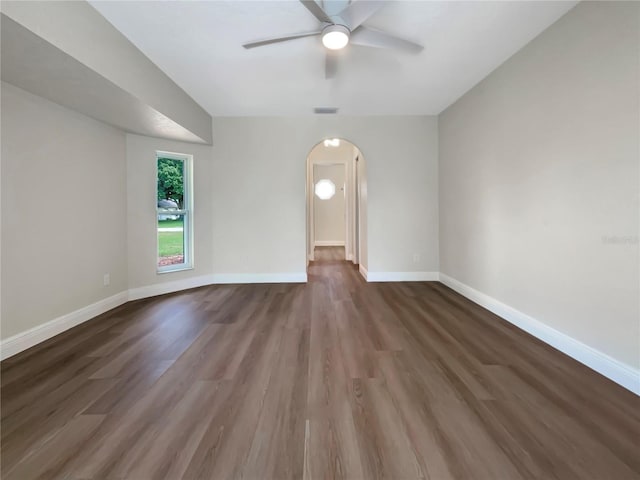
{"points": [[335, 37], [325, 189], [332, 142]]}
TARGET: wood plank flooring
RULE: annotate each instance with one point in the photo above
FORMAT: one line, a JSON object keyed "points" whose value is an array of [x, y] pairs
{"points": [[333, 379]]}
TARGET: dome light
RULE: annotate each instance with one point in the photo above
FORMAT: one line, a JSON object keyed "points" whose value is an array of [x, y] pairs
{"points": [[325, 189], [335, 37]]}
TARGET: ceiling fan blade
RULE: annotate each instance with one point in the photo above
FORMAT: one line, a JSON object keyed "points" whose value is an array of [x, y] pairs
{"points": [[316, 10], [359, 11], [330, 64], [369, 37], [269, 41]]}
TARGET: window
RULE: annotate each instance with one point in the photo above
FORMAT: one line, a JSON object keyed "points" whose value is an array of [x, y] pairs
{"points": [[325, 189], [174, 211]]}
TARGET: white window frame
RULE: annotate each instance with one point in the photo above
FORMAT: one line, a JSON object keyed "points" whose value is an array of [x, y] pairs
{"points": [[186, 211]]}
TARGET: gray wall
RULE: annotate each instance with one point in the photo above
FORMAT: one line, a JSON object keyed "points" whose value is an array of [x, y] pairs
{"points": [[250, 195], [258, 190], [539, 180], [63, 211], [142, 220]]}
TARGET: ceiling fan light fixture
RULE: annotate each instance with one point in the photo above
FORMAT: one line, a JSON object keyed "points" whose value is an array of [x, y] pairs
{"points": [[335, 37]]}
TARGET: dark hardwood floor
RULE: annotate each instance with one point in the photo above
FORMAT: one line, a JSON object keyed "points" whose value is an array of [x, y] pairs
{"points": [[333, 379], [328, 255]]}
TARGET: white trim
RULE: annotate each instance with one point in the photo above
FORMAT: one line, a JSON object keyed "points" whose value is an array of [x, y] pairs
{"points": [[621, 373], [402, 276], [228, 278], [179, 267], [169, 287], [214, 279], [186, 212], [329, 243], [27, 339], [363, 271]]}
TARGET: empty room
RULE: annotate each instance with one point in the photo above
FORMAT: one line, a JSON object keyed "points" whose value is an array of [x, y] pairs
{"points": [[331, 239]]}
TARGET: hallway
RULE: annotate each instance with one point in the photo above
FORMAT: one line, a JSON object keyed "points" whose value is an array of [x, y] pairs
{"points": [[328, 255], [336, 378]]}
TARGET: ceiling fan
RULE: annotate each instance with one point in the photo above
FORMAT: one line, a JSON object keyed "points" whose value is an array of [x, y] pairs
{"points": [[343, 28]]}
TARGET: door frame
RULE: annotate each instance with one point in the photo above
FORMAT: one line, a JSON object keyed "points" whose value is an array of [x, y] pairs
{"points": [[353, 230]]}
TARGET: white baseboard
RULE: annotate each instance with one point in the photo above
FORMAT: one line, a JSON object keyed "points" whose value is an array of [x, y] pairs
{"points": [[329, 243], [363, 271], [402, 276], [39, 334], [619, 372], [295, 277], [215, 279], [169, 287]]}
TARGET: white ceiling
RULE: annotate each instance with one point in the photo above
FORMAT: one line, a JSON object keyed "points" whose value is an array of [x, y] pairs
{"points": [[198, 44]]}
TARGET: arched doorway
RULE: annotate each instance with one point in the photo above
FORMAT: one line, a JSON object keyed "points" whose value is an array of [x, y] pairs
{"points": [[337, 200]]}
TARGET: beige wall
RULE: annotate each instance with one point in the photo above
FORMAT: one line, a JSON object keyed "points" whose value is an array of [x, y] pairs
{"points": [[259, 182], [63, 211], [329, 215], [539, 180]]}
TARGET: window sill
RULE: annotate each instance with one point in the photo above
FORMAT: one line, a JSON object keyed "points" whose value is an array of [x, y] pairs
{"points": [[177, 268]]}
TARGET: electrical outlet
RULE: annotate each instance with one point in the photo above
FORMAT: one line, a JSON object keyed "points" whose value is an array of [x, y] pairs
{"points": [[416, 257], [106, 279]]}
